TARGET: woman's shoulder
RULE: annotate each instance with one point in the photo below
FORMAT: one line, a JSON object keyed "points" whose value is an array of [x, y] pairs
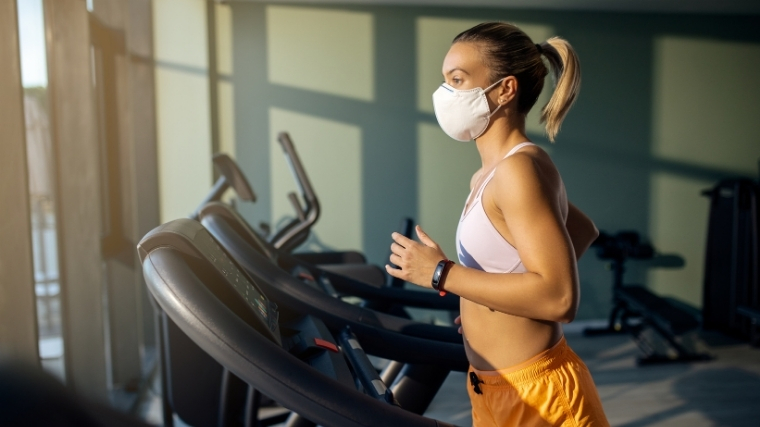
{"points": [[530, 167]]}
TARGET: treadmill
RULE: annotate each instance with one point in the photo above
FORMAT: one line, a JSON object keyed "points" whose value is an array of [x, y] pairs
{"points": [[421, 354], [201, 391], [348, 269], [323, 376]]}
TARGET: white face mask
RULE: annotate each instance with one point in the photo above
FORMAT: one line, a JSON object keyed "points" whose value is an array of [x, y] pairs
{"points": [[463, 114]]}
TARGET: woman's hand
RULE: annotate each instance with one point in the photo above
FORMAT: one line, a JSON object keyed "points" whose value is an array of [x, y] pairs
{"points": [[416, 261], [458, 321]]}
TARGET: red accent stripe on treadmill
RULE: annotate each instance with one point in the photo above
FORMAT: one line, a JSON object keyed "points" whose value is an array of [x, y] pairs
{"points": [[327, 345]]}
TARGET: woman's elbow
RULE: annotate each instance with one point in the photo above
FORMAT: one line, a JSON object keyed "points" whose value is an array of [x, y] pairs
{"points": [[566, 314], [565, 308]]}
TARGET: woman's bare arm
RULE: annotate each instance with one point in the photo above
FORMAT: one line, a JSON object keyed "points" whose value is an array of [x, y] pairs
{"points": [[549, 290]]}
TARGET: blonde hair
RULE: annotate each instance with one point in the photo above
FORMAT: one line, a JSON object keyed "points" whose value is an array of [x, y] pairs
{"points": [[566, 72], [508, 51]]}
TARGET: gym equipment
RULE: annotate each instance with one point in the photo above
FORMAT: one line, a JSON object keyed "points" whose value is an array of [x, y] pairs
{"points": [[347, 263], [194, 386], [293, 359], [296, 231], [731, 293], [230, 176], [333, 264], [667, 317], [422, 354], [192, 382], [228, 226]]}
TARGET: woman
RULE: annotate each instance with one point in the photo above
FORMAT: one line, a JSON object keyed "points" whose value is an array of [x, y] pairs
{"points": [[518, 239]]}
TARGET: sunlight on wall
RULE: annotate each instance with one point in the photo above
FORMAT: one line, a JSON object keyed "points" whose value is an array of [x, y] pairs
{"points": [[434, 37], [444, 168], [705, 103], [224, 61], [331, 153], [226, 90], [184, 146], [328, 51], [679, 226], [182, 105], [179, 32]]}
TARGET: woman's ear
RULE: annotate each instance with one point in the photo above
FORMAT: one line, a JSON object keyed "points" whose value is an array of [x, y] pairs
{"points": [[507, 90]]}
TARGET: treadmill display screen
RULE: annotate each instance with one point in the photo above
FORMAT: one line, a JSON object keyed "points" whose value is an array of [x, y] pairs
{"points": [[264, 308]]}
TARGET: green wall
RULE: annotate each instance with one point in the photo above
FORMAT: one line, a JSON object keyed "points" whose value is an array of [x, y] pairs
{"points": [[668, 107]]}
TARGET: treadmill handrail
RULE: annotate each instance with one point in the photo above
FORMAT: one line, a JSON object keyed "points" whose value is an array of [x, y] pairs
{"points": [[362, 366], [257, 360], [397, 338], [409, 298]]}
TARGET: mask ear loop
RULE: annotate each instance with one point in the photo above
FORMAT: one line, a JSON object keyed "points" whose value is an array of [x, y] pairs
{"points": [[490, 114], [486, 90], [495, 83], [495, 110]]}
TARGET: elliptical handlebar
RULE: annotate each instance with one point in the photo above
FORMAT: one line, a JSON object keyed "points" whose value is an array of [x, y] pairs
{"points": [[297, 167], [230, 175], [296, 232]]}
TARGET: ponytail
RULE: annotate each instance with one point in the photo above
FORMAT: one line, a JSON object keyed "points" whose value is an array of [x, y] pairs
{"points": [[566, 73]]}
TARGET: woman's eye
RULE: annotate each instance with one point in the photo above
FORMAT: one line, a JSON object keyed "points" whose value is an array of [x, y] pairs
{"points": [[456, 80]]}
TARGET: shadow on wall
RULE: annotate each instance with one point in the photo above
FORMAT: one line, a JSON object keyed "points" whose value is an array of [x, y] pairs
{"points": [[665, 110]]}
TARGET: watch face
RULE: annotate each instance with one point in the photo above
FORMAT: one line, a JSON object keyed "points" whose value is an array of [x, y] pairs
{"points": [[437, 274]]}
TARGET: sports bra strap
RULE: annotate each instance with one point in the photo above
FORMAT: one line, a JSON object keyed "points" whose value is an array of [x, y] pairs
{"points": [[514, 149], [517, 148]]}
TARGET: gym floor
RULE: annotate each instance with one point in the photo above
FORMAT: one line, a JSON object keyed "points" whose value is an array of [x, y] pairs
{"points": [[721, 392]]}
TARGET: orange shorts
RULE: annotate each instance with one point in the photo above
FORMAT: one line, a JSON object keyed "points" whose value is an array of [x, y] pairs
{"points": [[554, 388]]}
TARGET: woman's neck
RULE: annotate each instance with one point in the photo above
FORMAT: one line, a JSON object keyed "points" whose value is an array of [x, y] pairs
{"points": [[501, 136]]}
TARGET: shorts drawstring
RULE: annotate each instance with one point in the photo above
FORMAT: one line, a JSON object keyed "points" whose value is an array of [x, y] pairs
{"points": [[475, 382]]}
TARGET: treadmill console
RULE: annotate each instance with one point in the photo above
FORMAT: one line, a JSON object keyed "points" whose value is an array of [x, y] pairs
{"points": [[191, 239]]}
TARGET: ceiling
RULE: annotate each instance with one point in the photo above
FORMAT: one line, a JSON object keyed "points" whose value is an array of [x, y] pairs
{"points": [[641, 6]]}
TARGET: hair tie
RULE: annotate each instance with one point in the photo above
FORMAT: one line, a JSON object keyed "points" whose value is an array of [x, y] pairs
{"points": [[540, 49]]}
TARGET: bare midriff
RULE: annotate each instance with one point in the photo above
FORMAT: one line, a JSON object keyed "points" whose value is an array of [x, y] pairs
{"points": [[495, 340]]}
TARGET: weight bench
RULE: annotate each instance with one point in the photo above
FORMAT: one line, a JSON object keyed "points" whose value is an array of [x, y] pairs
{"points": [[667, 319], [665, 316]]}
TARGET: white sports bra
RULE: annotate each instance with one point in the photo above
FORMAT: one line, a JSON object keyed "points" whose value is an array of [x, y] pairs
{"points": [[479, 244]]}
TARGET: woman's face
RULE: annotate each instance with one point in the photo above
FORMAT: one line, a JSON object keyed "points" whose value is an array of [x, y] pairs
{"points": [[464, 68]]}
